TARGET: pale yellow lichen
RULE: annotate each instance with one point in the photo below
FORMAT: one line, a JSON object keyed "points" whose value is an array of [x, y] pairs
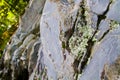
{"points": [[114, 24], [79, 40]]}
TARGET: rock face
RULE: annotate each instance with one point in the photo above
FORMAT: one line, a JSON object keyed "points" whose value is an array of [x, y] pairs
{"points": [[65, 40]]}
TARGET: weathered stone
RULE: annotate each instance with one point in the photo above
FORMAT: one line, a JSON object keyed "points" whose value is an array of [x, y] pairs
{"points": [[114, 12], [52, 49], [103, 27], [98, 6], [65, 40], [112, 71], [33, 56], [104, 52], [20, 50]]}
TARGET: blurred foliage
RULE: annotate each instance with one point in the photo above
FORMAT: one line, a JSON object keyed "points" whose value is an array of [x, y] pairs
{"points": [[10, 10]]}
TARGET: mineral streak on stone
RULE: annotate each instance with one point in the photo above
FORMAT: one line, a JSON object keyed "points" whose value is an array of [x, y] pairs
{"points": [[52, 49], [112, 71]]}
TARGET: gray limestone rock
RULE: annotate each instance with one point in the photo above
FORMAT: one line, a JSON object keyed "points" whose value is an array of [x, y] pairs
{"points": [[114, 12], [65, 40], [98, 6]]}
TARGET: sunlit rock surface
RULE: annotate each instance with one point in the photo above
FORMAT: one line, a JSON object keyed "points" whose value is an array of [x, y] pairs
{"points": [[114, 11], [65, 40], [105, 53], [98, 6]]}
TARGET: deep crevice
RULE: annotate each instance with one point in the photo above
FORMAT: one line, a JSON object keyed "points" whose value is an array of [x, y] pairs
{"points": [[104, 35], [78, 69], [90, 42], [71, 31], [87, 55], [23, 75], [82, 22], [100, 18]]}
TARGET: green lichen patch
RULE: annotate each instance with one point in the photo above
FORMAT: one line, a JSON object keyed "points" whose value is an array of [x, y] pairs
{"points": [[114, 24], [79, 41]]}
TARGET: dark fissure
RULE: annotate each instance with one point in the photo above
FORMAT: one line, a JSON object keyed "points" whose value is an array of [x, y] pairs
{"points": [[23, 75], [100, 18], [90, 42], [79, 64]]}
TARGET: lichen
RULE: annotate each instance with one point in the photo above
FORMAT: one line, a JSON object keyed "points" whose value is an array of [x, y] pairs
{"points": [[114, 24], [79, 41]]}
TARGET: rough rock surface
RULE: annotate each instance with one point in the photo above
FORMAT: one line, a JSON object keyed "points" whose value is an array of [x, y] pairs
{"points": [[65, 40]]}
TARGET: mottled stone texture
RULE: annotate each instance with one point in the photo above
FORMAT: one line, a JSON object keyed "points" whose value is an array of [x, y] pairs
{"points": [[65, 40], [21, 54]]}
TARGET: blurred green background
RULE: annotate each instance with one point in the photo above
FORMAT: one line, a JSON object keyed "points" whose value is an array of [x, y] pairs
{"points": [[10, 11]]}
